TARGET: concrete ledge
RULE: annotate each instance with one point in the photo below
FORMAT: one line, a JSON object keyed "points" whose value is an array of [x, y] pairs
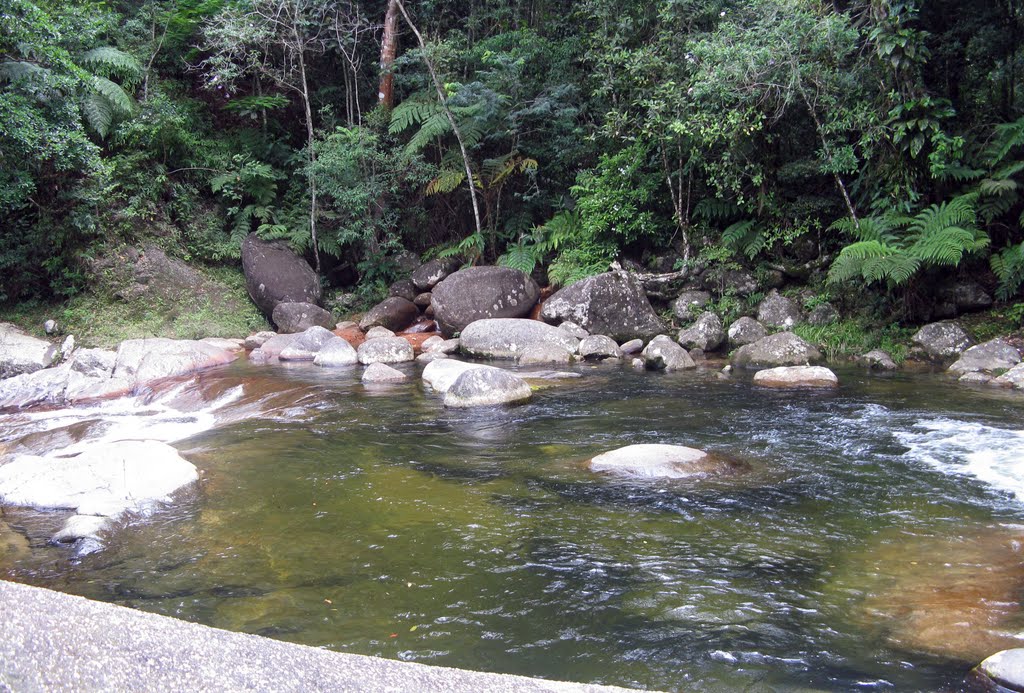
{"points": [[53, 641]]}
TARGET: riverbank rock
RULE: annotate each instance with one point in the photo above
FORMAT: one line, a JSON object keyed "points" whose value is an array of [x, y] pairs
{"points": [[962, 297], [779, 311], [877, 360], [994, 355], [479, 293], [431, 273], [942, 340], [255, 341], [335, 353], [379, 373], [662, 354], [385, 350], [441, 375], [738, 282], [506, 338], [307, 345], [486, 387], [706, 334], [146, 360], [574, 329], [107, 479], [612, 304], [94, 363], [746, 331], [657, 461], [633, 346], [274, 274], [1005, 668], [403, 288], [272, 348], [782, 349], [599, 347], [688, 305], [823, 314], [1012, 378], [394, 313], [60, 386], [21, 353], [299, 317], [544, 353], [796, 377]]}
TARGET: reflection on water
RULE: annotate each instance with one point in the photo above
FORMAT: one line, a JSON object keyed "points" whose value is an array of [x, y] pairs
{"points": [[873, 524]]}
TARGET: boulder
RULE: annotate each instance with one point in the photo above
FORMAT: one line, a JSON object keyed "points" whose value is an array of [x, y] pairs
{"points": [[379, 373], [506, 338], [706, 334], [51, 327], [299, 317], [428, 356], [82, 527], [255, 341], [106, 479], [633, 346], [975, 378], [574, 329], [274, 274], [737, 282], [612, 304], [146, 360], [226, 343], [379, 332], [307, 345], [689, 303], [406, 261], [385, 350], [877, 359], [544, 353], [746, 331], [486, 387], [599, 347], [272, 348], [943, 340], [782, 349], [423, 300], [1012, 378], [1005, 668], [478, 293], [662, 354], [431, 343], [336, 352], [403, 288], [823, 314], [657, 461], [441, 375], [21, 353], [994, 355], [394, 313], [962, 297], [779, 311], [94, 363], [796, 377], [429, 274]]}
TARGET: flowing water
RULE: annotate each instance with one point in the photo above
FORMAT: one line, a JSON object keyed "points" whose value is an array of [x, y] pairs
{"points": [[874, 544]]}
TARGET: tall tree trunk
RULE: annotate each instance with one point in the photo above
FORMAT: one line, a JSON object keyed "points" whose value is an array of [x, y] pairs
{"points": [[388, 51], [443, 98], [310, 141]]}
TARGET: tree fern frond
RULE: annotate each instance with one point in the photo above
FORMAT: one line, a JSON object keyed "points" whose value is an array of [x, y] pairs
{"points": [[433, 127], [1008, 136], [15, 70], [1009, 171], [994, 187], [99, 113], [446, 182], [736, 234], [945, 246], [415, 110], [957, 212], [519, 256], [122, 104], [1008, 266], [716, 209], [108, 61], [993, 207]]}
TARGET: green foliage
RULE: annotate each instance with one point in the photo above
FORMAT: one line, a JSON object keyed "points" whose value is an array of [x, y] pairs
{"points": [[849, 338]]}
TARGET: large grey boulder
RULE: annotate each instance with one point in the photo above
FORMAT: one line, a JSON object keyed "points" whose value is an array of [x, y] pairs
{"points": [[662, 354], [486, 387], [379, 373], [307, 345], [430, 274], [612, 304], [385, 350], [274, 274], [106, 479], [298, 317], [689, 304], [782, 349], [705, 334], [942, 340], [746, 331], [335, 353], [598, 347], [738, 282], [994, 355], [961, 297], [21, 353], [796, 377], [657, 461], [403, 288], [777, 310], [1005, 668], [441, 375], [506, 338], [394, 313], [479, 293]]}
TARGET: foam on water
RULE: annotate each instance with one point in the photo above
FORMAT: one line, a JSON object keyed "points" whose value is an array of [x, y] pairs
{"points": [[992, 455]]}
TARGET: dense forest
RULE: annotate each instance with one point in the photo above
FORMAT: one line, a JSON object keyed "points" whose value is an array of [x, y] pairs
{"points": [[851, 145]]}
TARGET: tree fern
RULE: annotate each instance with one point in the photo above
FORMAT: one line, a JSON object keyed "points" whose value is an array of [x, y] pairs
{"points": [[107, 61], [1008, 266], [16, 71], [445, 182], [99, 113]]}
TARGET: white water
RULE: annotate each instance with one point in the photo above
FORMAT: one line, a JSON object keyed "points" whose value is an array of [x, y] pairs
{"points": [[990, 454]]}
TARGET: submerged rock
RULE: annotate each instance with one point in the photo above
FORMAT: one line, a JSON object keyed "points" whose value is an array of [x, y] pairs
{"points": [[796, 376], [657, 461], [506, 338], [782, 349], [106, 479], [486, 387], [79, 527], [379, 373], [877, 359]]}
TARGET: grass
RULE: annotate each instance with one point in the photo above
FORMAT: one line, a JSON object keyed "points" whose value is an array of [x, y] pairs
{"points": [[849, 338]]}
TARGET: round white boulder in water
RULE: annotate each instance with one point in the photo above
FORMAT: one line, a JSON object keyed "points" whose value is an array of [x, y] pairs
{"points": [[105, 479], [796, 376], [658, 461], [1005, 668]]}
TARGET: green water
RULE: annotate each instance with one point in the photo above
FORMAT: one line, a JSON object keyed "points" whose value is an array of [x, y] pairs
{"points": [[376, 521]]}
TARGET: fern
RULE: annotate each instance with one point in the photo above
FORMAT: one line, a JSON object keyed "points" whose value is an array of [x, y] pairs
{"points": [[415, 110], [1008, 266], [108, 61], [716, 209], [99, 114], [16, 71], [446, 182], [520, 256]]}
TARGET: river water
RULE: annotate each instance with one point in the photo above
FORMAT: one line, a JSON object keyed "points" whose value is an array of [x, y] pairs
{"points": [[874, 544]]}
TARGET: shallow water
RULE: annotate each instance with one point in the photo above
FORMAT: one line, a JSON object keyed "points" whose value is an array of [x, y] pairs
{"points": [[873, 545]]}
